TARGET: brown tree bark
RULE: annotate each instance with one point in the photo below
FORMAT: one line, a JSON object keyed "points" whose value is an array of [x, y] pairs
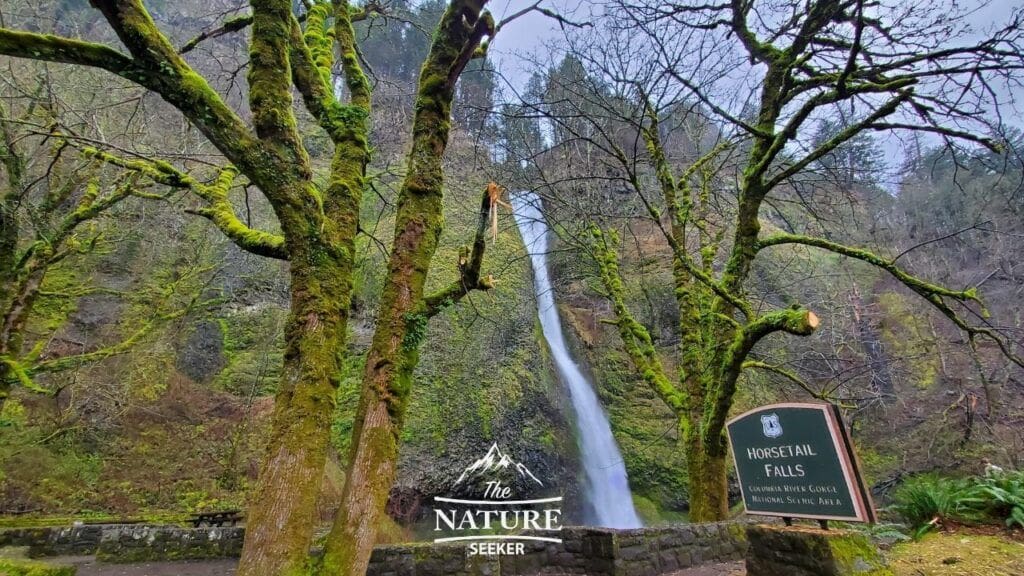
{"points": [[282, 515]]}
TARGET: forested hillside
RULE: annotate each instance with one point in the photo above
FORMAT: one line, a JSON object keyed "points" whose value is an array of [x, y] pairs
{"points": [[141, 379], [175, 421]]}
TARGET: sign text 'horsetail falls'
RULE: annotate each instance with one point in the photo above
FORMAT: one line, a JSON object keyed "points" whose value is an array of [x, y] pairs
{"points": [[494, 514], [796, 460]]}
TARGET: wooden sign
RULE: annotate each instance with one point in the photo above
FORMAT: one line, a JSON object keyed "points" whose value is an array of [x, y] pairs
{"points": [[796, 461]]}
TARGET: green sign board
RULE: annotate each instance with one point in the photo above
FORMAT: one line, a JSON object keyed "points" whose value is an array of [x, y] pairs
{"points": [[796, 460]]}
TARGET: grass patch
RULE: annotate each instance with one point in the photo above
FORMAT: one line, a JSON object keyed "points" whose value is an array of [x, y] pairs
{"points": [[47, 521], [950, 554], [653, 515], [18, 567]]}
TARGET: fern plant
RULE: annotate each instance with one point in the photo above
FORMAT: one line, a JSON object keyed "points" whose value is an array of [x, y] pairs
{"points": [[1004, 495], [927, 501]]}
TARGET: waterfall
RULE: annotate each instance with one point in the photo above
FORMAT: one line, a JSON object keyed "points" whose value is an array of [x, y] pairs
{"points": [[606, 487]]}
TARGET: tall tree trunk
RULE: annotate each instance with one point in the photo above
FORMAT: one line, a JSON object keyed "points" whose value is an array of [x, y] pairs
{"points": [[12, 323], [402, 318], [401, 323], [13, 165], [371, 473], [706, 481], [8, 246], [282, 513]]}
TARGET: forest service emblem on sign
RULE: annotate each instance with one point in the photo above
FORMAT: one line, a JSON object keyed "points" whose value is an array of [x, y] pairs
{"points": [[771, 425]]}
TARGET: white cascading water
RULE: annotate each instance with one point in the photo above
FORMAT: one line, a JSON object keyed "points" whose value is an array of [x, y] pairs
{"points": [[607, 486]]}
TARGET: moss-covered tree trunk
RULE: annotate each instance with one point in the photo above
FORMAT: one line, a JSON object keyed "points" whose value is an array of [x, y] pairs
{"points": [[705, 470], [707, 483], [403, 314], [282, 513], [10, 196], [703, 447], [719, 322], [12, 325], [320, 227]]}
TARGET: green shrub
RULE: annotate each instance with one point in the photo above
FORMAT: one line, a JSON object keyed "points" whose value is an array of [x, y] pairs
{"points": [[928, 500], [924, 501], [18, 567], [1004, 497]]}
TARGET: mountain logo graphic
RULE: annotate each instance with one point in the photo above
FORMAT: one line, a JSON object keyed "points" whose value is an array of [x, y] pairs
{"points": [[498, 522], [496, 460]]}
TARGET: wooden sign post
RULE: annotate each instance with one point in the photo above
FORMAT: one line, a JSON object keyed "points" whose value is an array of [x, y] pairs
{"points": [[796, 461]]}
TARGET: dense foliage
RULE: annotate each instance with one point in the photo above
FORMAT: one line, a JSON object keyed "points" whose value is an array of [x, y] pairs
{"points": [[928, 501]]}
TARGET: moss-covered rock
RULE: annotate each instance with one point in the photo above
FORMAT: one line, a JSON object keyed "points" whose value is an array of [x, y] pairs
{"points": [[910, 338], [804, 551]]}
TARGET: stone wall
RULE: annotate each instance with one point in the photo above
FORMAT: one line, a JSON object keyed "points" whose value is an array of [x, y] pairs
{"points": [[127, 542], [583, 550], [124, 544], [56, 541], [590, 551]]}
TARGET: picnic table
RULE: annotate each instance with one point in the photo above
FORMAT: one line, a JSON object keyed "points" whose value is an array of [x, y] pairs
{"points": [[222, 518]]}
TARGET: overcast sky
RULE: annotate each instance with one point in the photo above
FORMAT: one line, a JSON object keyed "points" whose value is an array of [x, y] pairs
{"points": [[527, 36], [530, 33], [527, 39]]}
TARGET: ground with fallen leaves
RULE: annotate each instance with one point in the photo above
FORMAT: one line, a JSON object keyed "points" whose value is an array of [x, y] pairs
{"points": [[959, 554]]}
